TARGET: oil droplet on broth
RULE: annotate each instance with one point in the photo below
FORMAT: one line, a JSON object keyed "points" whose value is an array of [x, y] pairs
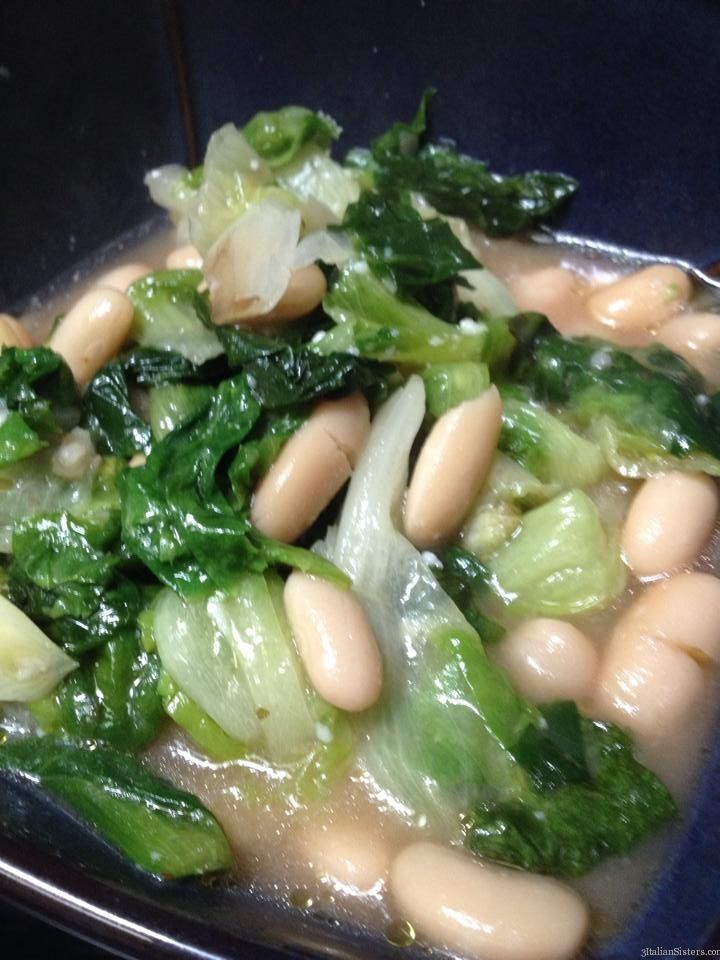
{"points": [[301, 899], [400, 934]]}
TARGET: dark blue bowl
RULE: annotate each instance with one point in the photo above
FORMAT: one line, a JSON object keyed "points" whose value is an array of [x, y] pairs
{"points": [[623, 94]]}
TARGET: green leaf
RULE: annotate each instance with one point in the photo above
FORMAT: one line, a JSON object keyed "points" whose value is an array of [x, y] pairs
{"points": [[109, 415], [403, 247], [170, 314], [403, 139], [569, 829], [467, 581], [648, 402], [449, 384], [382, 326], [39, 399], [560, 563], [162, 829], [18, 441], [174, 404], [112, 697], [207, 734], [460, 186], [280, 135], [547, 447]]}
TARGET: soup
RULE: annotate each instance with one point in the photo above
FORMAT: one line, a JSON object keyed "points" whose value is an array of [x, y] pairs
{"points": [[372, 554]]}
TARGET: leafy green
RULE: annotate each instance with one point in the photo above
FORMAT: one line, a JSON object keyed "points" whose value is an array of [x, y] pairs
{"points": [[38, 401], [112, 697], [403, 139], [234, 657], [258, 453], [647, 402], [176, 516], [174, 404], [280, 135], [399, 245], [607, 804], [170, 314], [466, 581], [547, 447], [497, 513], [208, 735], [18, 441], [160, 828], [109, 415], [378, 324], [460, 186], [561, 561], [449, 384]]}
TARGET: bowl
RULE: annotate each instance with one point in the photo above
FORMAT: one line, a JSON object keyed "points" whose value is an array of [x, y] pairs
{"points": [[623, 95]]}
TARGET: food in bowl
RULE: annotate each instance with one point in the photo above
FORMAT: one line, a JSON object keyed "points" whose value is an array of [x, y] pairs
{"points": [[342, 551]]}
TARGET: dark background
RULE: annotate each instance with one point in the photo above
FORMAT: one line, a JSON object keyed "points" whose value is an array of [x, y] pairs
{"points": [[623, 94]]}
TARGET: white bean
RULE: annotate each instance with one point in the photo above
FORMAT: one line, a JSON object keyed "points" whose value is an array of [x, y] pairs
{"points": [[311, 468], [93, 331], [335, 641], [683, 611], [644, 300], [555, 291], [349, 855], [12, 333], [669, 522], [120, 278], [696, 338], [548, 660], [486, 911], [451, 469], [647, 686], [184, 258]]}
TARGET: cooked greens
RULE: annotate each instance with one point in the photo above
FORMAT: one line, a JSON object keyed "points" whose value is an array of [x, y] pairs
{"points": [[151, 595]]}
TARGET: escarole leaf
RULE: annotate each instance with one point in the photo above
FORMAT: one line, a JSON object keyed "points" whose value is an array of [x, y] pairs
{"points": [[161, 829], [232, 656], [31, 665], [646, 406], [279, 135], [38, 401], [400, 245], [568, 829], [560, 562], [204, 205], [403, 139], [370, 319], [547, 447], [497, 513], [170, 314], [459, 186]]}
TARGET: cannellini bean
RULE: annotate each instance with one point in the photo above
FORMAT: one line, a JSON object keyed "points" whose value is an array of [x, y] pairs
{"points": [[555, 291], [12, 333], [480, 909], [669, 522], [643, 300], [311, 468], [93, 331], [120, 278], [349, 855], [683, 611], [647, 686], [335, 641], [304, 292], [696, 338], [548, 660], [451, 469], [184, 258]]}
